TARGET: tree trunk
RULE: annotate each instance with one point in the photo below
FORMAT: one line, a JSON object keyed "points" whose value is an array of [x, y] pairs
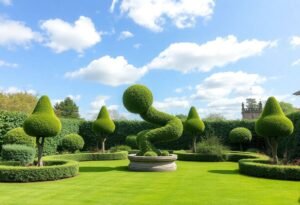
{"points": [[103, 145], [40, 151], [194, 149], [274, 147]]}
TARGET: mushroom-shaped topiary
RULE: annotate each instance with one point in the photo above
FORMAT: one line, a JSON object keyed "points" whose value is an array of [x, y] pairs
{"points": [[139, 99], [18, 136], [194, 126], [239, 136], [103, 126], [273, 124], [72, 143], [42, 123]]}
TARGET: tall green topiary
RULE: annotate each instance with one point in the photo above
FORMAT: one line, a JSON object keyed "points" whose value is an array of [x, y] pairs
{"points": [[42, 123], [103, 126], [18, 136], [194, 126], [138, 99], [272, 125], [239, 136]]}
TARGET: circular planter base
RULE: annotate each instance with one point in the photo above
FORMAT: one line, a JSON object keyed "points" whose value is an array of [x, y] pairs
{"points": [[152, 164]]}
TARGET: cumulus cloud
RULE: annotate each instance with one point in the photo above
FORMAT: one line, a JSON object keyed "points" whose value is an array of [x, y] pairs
{"points": [[7, 64], [171, 103], [6, 2], [125, 34], [295, 41], [63, 36], [16, 33], [14, 90], [109, 71], [153, 14], [186, 57]]}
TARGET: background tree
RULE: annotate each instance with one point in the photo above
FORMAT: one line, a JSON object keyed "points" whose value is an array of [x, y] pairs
{"points": [[273, 125], [42, 123], [239, 136], [67, 108], [194, 126], [215, 117], [20, 102], [251, 103], [103, 126], [287, 108]]}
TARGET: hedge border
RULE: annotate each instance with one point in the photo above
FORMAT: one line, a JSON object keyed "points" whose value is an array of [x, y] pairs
{"points": [[181, 156], [262, 168], [91, 156], [54, 170]]}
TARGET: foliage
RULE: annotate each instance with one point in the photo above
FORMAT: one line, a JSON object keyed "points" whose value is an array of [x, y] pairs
{"points": [[184, 156], [67, 108], [18, 136], [72, 143], [150, 154], [20, 153], [287, 108], [251, 103], [131, 141], [211, 146], [214, 117], [53, 170], [17, 102], [234, 156], [119, 148], [240, 135]]}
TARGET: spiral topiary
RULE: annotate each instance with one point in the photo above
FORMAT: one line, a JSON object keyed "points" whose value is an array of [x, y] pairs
{"points": [[194, 126], [103, 126], [240, 135], [42, 123], [72, 143], [18, 136], [273, 124], [138, 99]]}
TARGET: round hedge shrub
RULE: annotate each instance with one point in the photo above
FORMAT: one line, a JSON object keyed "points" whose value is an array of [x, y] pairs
{"points": [[53, 170], [20, 153], [131, 141], [72, 142], [120, 148], [240, 135], [18, 136]]}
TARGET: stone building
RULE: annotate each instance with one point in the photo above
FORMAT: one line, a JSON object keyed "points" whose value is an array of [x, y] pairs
{"points": [[251, 112]]}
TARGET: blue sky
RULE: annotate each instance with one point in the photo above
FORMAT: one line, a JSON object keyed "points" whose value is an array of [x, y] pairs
{"points": [[208, 53]]}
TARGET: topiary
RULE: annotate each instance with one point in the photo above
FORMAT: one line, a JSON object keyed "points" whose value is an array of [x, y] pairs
{"points": [[131, 141], [240, 135], [194, 126], [272, 125], [20, 153], [139, 99], [72, 142], [103, 126], [120, 148], [18, 136], [42, 123]]}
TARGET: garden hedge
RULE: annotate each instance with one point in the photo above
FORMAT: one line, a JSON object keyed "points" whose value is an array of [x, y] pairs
{"points": [[262, 168], [15, 152], [53, 170]]}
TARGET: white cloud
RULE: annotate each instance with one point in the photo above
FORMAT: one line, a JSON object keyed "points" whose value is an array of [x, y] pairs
{"points": [[125, 34], [296, 62], [109, 71], [75, 97], [173, 102], [186, 57], [16, 33], [7, 64], [113, 5], [295, 41], [137, 45], [63, 36], [14, 90], [153, 14], [6, 2]]}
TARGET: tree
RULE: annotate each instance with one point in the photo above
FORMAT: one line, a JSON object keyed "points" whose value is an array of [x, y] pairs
{"points": [[251, 103], [194, 126], [287, 108], [103, 126], [42, 123], [273, 125], [67, 109], [215, 117], [240, 135], [19, 102]]}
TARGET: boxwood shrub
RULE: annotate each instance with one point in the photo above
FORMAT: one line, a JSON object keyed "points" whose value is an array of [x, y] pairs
{"points": [[234, 156], [20, 153], [185, 156], [53, 170]]}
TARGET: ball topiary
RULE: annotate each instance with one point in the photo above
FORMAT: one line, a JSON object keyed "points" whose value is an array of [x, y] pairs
{"points": [[42, 123], [103, 126], [240, 135], [20, 153], [18, 136], [273, 124], [139, 99], [131, 141], [194, 126], [72, 143]]}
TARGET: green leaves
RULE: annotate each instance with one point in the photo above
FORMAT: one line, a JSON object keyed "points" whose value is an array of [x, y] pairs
{"points": [[103, 124], [194, 125]]}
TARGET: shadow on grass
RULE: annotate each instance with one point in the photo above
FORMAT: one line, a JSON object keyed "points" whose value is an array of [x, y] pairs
{"points": [[102, 169], [235, 171]]}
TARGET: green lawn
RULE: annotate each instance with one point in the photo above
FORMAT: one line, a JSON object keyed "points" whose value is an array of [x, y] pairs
{"points": [[109, 182]]}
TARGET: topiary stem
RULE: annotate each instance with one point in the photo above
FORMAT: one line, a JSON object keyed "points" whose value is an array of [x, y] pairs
{"points": [[194, 144], [40, 150], [103, 145], [274, 147]]}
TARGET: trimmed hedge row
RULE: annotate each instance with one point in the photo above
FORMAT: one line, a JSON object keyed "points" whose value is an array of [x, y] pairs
{"points": [[90, 156], [53, 170], [236, 156], [262, 168], [182, 156], [21, 153]]}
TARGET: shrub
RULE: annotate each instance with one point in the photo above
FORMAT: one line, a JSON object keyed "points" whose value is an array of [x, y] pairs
{"points": [[211, 145], [234, 156], [194, 126], [239, 136], [183, 156], [150, 154], [53, 170], [165, 153], [42, 123], [20, 153], [18, 136], [119, 148], [72, 143], [273, 124], [131, 141]]}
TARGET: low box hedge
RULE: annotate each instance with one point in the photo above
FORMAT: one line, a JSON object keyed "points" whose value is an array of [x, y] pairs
{"points": [[263, 168], [235, 156], [52, 170], [91, 156], [184, 156]]}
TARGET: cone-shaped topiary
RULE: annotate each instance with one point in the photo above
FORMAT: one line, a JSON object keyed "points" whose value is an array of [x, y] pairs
{"points": [[42, 123], [18, 136], [194, 126], [139, 99], [240, 135], [273, 124], [103, 126]]}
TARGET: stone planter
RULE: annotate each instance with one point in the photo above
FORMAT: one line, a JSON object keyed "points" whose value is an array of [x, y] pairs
{"points": [[152, 164]]}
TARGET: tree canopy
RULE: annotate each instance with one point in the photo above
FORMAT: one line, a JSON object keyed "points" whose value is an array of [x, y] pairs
{"points": [[19, 102], [67, 108]]}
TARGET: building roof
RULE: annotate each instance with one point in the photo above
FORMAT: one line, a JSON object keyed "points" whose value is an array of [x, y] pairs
{"points": [[297, 93]]}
